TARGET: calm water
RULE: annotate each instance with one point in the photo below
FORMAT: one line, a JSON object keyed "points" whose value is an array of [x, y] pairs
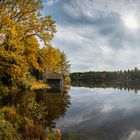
{"points": [[102, 114], [99, 113]]}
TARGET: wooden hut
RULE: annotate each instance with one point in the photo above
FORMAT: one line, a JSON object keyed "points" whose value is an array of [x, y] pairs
{"points": [[55, 80]]}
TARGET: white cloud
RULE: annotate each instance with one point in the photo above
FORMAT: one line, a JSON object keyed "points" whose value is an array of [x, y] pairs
{"points": [[93, 35], [134, 135], [50, 2], [107, 108], [88, 50]]}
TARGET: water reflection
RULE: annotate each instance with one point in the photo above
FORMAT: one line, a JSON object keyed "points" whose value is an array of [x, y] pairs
{"points": [[102, 114], [57, 105], [29, 114], [135, 86]]}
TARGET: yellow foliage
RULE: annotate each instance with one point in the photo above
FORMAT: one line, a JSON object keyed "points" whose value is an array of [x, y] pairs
{"points": [[4, 90], [54, 134], [11, 110], [38, 85], [51, 58], [20, 25]]}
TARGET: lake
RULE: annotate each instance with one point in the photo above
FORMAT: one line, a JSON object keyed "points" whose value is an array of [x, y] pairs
{"points": [[101, 114]]}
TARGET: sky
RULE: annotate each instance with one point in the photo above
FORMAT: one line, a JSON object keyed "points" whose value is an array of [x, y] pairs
{"points": [[97, 35]]}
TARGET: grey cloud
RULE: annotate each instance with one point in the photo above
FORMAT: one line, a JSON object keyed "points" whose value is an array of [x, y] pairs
{"points": [[96, 39]]}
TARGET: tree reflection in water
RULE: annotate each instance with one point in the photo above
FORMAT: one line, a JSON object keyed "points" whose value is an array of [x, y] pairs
{"points": [[28, 115], [124, 85]]}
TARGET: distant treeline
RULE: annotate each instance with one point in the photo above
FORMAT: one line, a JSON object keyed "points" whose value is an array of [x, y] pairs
{"points": [[107, 76]]}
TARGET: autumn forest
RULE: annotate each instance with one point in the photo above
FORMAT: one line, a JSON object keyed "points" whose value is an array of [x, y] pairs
{"points": [[26, 52], [22, 31]]}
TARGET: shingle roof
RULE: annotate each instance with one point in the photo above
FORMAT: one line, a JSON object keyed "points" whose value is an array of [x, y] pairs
{"points": [[53, 75]]}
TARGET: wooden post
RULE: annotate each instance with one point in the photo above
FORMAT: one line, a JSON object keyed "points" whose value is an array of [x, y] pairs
{"points": [[62, 83]]}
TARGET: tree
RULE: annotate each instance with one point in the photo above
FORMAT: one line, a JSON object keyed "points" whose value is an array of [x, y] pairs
{"points": [[65, 69], [50, 58], [65, 66], [21, 26]]}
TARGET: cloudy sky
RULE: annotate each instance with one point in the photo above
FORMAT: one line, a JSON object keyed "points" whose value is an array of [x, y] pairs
{"points": [[97, 34]]}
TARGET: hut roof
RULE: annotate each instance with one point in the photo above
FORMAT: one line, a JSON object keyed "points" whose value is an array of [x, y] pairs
{"points": [[53, 75]]}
